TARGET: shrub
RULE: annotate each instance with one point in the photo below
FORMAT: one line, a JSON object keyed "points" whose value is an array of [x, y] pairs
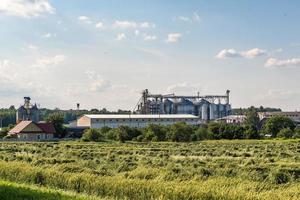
{"points": [[275, 124], [180, 132], [285, 133], [92, 135]]}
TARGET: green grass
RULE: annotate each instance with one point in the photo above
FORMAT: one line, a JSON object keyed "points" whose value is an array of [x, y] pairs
{"points": [[13, 191], [236, 169]]}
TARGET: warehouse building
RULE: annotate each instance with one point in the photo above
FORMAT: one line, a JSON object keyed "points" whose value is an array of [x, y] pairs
{"points": [[295, 116], [113, 121]]}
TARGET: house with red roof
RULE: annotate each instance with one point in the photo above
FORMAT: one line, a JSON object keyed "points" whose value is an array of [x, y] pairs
{"points": [[33, 131]]}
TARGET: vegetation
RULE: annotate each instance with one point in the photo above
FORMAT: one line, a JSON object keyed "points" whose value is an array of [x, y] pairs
{"points": [[277, 126], [237, 169], [244, 111], [13, 191]]}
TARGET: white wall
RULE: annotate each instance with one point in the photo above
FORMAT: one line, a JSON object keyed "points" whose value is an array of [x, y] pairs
{"points": [[114, 123]]}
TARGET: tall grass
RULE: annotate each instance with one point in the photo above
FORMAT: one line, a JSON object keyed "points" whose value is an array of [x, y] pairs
{"points": [[206, 170]]}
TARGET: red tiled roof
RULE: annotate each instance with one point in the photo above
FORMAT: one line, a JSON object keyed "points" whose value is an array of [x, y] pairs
{"points": [[46, 127], [20, 126]]}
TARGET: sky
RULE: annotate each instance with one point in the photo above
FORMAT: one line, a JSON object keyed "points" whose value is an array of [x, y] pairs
{"points": [[102, 53]]}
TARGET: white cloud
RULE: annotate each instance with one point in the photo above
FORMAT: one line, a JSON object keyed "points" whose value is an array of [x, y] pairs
{"points": [[232, 53], [99, 25], [137, 32], [273, 62], [26, 8], [149, 37], [121, 36], [132, 24], [196, 17], [85, 19], [50, 61], [49, 35], [253, 53], [33, 47], [173, 37], [147, 25], [124, 24], [97, 84], [183, 18], [228, 53], [192, 19], [14, 82]]}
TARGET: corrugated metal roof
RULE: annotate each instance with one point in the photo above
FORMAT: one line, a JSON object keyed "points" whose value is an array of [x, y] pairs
{"points": [[135, 116]]}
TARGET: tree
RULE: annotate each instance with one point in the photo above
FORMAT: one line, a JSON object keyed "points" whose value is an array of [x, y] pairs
{"points": [[214, 130], [154, 132], [92, 135], [285, 133], [202, 133], [180, 132], [122, 133], [275, 124], [251, 132], [252, 118], [57, 120]]}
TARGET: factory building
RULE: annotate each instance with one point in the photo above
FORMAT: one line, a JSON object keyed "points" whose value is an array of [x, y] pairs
{"points": [[232, 119], [139, 121], [208, 107], [295, 116], [28, 112]]}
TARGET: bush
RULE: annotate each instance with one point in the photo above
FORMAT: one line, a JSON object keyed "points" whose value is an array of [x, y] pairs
{"points": [[92, 135], [180, 132], [285, 133], [274, 125], [155, 132]]}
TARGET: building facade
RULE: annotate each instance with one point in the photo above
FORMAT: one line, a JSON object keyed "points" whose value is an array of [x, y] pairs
{"points": [[295, 116], [114, 121], [28, 112], [32, 131], [232, 119]]}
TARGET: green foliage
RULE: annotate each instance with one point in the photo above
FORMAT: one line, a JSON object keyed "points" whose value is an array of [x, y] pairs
{"points": [[274, 125], [252, 118], [244, 111], [93, 135], [285, 133], [154, 132], [179, 132], [202, 133], [57, 120], [222, 169], [251, 132], [13, 191]]}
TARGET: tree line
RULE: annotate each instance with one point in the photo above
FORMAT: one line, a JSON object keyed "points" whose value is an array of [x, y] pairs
{"points": [[281, 127]]}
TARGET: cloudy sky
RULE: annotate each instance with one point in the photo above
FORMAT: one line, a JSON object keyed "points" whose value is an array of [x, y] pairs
{"points": [[103, 53]]}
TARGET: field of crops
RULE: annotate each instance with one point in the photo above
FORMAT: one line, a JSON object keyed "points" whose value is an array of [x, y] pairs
{"points": [[238, 169]]}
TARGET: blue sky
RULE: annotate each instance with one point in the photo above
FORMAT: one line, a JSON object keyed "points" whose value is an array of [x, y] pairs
{"points": [[103, 53]]}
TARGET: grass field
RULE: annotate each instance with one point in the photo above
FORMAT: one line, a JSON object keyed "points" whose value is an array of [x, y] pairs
{"points": [[237, 169]]}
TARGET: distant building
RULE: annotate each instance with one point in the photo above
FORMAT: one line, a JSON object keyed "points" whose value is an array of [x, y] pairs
{"points": [[295, 116], [28, 112], [232, 119], [32, 131], [113, 121]]}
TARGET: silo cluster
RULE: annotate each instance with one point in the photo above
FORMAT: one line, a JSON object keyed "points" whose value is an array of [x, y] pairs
{"points": [[204, 109]]}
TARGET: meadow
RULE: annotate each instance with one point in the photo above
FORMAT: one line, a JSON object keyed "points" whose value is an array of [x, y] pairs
{"points": [[216, 169]]}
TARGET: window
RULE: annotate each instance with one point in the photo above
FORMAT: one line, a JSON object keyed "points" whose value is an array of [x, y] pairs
{"points": [[38, 137]]}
